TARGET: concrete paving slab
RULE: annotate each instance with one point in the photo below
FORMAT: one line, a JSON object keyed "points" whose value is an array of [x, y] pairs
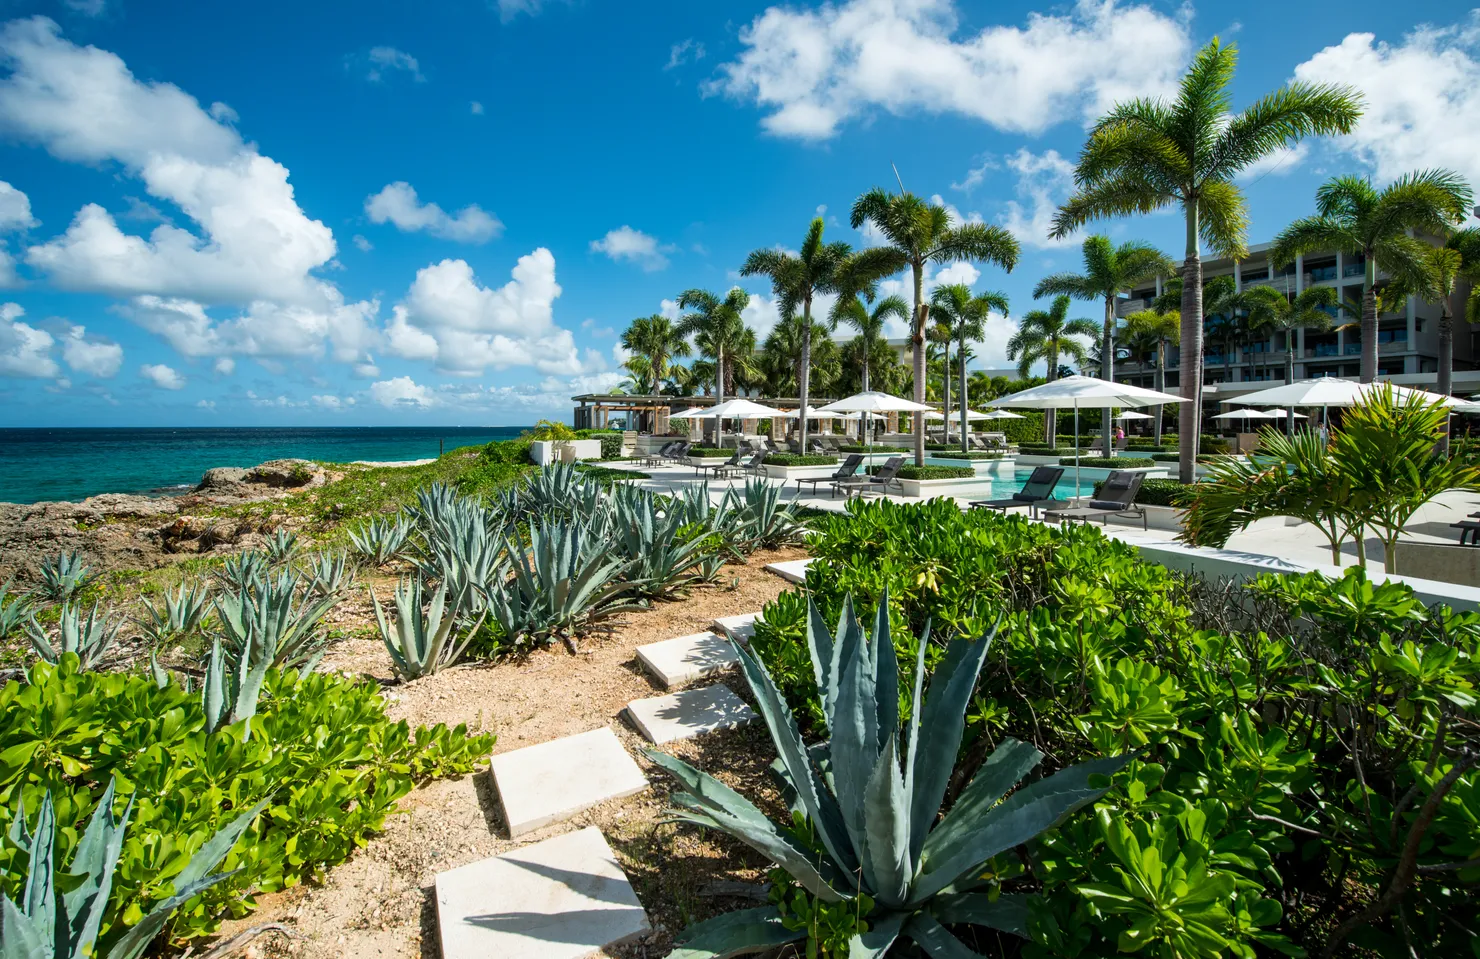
{"points": [[690, 713], [674, 662], [739, 628], [564, 898], [793, 570], [542, 784]]}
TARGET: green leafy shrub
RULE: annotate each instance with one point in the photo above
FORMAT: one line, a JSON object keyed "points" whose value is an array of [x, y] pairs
{"points": [[700, 451], [1110, 462], [800, 459], [321, 752], [910, 471], [863, 448], [1026, 450], [611, 442], [968, 455], [1156, 492], [1254, 819]]}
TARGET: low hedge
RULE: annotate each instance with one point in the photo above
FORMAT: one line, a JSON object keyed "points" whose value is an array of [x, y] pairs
{"points": [[710, 451], [1156, 492], [1045, 451], [968, 455], [861, 448], [1110, 462], [798, 459], [912, 472], [1177, 457]]}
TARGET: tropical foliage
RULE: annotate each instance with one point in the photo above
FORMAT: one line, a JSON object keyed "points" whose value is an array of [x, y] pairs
{"points": [[1049, 337]]}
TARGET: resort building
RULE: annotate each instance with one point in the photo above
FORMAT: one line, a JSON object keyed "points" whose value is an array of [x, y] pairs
{"points": [[1407, 339]]}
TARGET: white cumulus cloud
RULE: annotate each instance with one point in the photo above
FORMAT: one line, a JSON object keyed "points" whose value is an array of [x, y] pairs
{"points": [[1423, 97], [397, 203], [162, 376], [1043, 182], [402, 392], [15, 209], [633, 246], [24, 350], [450, 318], [99, 358], [814, 70], [382, 61]]}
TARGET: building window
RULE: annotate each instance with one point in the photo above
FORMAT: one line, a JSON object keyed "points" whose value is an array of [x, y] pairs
{"points": [[1354, 266], [1249, 276]]}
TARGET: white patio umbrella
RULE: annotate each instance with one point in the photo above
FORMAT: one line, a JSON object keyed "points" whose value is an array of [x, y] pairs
{"points": [[1280, 414], [873, 401], [1087, 391], [1244, 415], [1000, 415], [1133, 415], [1328, 391], [740, 409], [692, 412]]}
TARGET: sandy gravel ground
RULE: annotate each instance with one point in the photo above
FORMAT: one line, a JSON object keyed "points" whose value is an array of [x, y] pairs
{"points": [[381, 902]]}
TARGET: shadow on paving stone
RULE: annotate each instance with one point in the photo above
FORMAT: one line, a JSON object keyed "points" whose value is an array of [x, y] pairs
{"points": [[493, 813]]}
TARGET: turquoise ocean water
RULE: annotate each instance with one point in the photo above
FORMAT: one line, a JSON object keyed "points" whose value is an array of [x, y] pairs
{"points": [[70, 464]]}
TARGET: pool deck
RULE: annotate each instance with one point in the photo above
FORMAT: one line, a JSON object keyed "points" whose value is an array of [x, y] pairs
{"points": [[1279, 543]]}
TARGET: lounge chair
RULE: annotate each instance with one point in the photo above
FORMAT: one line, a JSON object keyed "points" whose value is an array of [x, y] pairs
{"points": [[750, 464], [734, 460], [1036, 492], [1469, 531], [1117, 498], [655, 457], [680, 451], [846, 471], [886, 477]]}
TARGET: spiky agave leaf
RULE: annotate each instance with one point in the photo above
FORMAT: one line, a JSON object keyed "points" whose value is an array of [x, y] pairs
{"points": [[874, 812], [63, 576], [89, 639]]}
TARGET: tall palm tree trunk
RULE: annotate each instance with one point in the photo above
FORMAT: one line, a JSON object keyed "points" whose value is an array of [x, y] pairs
{"points": [[1289, 378], [868, 346], [1369, 323], [1446, 364], [1051, 417], [922, 312], [964, 446], [1107, 371], [1189, 417], [1161, 382], [945, 379], [804, 380], [719, 390]]}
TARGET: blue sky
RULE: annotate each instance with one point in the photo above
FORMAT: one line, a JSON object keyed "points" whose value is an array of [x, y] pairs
{"points": [[445, 213]]}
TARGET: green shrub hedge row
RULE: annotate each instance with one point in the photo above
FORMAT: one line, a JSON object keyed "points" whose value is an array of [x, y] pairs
{"points": [[968, 455], [799, 459], [1109, 462]]}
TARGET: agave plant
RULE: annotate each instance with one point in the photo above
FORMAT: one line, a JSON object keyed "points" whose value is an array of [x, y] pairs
{"points": [[63, 576], [565, 580], [265, 622], [381, 540], [60, 913], [874, 812], [560, 491], [422, 643], [769, 524], [465, 550], [176, 615], [281, 547], [329, 573], [89, 638], [243, 570], [660, 560], [230, 690], [15, 610], [433, 504]]}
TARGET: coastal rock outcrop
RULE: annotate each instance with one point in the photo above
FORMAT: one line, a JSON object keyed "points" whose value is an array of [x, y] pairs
{"points": [[117, 529]]}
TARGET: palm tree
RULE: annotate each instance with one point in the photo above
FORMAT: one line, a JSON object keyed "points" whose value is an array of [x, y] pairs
{"points": [[1147, 154], [1353, 217], [1221, 306], [919, 233], [654, 342], [1274, 310], [797, 279], [781, 355], [1158, 325], [965, 317], [1439, 273], [1109, 271], [1048, 335], [1467, 242], [719, 331], [868, 323]]}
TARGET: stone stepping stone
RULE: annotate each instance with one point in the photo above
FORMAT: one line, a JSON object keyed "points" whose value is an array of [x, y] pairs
{"points": [[674, 662], [690, 713], [793, 570], [538, 785], [564, 898], [739, 628]]}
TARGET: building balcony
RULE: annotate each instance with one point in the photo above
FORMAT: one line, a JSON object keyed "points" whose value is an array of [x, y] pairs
{"points": [[1126, 307], [1393, 346]]}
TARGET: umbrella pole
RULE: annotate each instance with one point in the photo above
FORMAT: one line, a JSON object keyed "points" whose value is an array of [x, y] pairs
{"points": [[1076, 450]]}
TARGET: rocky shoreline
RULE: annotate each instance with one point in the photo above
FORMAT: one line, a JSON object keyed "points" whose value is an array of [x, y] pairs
{"points": [[143, 532]]}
